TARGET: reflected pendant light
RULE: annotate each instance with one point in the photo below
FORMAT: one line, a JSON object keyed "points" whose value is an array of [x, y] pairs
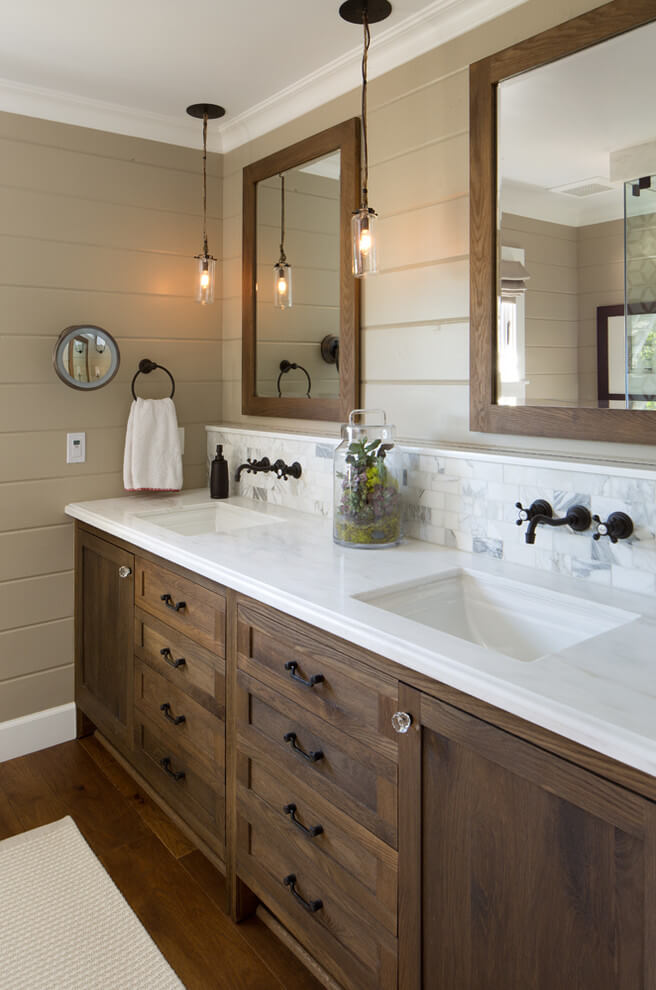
{"points": [[363, 223], [206, 262], [282, 271]]}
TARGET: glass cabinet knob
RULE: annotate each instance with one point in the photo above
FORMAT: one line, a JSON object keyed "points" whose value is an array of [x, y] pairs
{"points": [[401, 721], [124, 571]]}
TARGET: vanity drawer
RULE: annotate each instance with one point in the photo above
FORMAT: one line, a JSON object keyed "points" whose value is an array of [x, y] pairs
{"points": [[197, 796], [179, 602], [349, 695], [360, 955], [361, 782], [324, 840], [201, 676], [183, 721]]}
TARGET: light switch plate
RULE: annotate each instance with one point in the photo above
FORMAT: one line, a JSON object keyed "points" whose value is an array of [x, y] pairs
{"points": [[76, 448]]}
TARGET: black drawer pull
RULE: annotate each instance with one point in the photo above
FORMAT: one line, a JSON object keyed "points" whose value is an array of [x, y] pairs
{"points": [[312, 832], [165, 764], [311, 757], [176, 719], [292, 666], [166, 653], [168, 601], [310, 906]]}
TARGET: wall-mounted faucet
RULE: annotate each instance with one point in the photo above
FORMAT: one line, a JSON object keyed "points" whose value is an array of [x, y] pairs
{"points": [[578, 518], [264, 465]]}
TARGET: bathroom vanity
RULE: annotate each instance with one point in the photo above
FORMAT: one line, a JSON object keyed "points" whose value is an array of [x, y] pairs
{"points": [[416, 808]]}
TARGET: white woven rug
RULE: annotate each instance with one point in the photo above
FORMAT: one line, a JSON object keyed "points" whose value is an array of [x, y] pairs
{"points": [[64, 925]]}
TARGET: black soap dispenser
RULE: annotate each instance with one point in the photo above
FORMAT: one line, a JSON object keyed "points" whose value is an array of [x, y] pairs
{"points": [[219, 475]]}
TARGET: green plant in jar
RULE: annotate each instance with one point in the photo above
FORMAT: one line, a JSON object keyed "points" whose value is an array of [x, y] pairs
{"points": [[369, 509]]}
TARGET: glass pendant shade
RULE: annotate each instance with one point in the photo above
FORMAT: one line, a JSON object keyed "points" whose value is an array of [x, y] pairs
{"points": [[205, 278], [282, 285], [363, 230]]}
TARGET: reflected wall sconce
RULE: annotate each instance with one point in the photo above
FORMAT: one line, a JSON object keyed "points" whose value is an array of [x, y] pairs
{"points": [[363, 223], [206, 262], [282, 270]]}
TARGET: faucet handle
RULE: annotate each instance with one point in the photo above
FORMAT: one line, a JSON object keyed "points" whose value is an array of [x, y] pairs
{"points": [[618, 526], [537, 508]]}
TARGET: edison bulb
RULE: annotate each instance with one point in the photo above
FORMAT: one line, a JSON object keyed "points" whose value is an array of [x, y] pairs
{"points": [[365, 241], [204, 279], [282, 286]]}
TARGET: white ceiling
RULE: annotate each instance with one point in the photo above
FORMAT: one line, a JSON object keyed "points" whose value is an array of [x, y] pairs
{"points": [[132, 66], [559, 125]]}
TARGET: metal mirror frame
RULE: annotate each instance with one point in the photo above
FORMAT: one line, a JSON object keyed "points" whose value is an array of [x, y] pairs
{"points": [[345, 138], [69, 334], [617, 425]]}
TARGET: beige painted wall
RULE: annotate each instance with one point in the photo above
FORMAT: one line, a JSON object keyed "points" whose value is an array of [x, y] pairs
{"points": [[94, 228], [551, 331], [415, 311]]}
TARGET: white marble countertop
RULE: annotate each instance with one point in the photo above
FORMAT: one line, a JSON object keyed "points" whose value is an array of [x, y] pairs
{"points": [[600, 693]]}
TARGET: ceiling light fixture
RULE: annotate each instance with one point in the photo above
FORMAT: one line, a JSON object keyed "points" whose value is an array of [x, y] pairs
{"points": [[282, 271], [206, 262], [363, 223]]}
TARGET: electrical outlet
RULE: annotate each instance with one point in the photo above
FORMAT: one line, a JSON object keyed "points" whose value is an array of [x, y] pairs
{"points": [[76, 448]]}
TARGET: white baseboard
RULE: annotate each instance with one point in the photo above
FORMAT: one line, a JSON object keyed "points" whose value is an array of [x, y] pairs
{"points": [[38, 731]]}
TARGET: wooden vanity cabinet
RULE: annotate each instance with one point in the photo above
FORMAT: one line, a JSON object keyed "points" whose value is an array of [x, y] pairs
{"points": [[104, 630], [316, 793], [517, 868]]}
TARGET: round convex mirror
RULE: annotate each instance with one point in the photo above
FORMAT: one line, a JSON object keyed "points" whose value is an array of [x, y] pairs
{"points": [[86, 357]]}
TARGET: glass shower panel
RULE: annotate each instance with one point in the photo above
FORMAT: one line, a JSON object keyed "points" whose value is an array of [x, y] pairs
{"points": [[640, 292]]}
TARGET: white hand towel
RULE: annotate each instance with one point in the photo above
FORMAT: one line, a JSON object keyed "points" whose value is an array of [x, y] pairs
{"points": [[152, 460]]}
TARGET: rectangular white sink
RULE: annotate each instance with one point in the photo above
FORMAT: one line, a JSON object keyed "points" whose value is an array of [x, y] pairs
{"points": [[524, 622], [200, 520]]}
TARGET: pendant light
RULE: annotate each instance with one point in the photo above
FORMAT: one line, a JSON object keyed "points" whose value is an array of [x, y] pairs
{"points": [[363, 223], [282, 271], [206, 262]]}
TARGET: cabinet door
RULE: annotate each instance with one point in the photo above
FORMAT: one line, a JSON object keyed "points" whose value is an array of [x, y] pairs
{"points": [[517, 869], [104, 624]]}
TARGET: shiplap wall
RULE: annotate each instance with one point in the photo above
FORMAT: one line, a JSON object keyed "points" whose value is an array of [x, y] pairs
{"points": [[601, 283], [415, 311], [95, 228]]}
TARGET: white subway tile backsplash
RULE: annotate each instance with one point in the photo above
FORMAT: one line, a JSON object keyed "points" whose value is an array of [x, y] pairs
{"points": [[468, 501]]}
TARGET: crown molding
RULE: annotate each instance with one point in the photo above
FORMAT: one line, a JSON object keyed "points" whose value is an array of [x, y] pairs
{"points": [[436, 24]]}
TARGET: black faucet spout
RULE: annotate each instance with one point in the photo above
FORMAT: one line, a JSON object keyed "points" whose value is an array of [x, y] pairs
{"points": [[539, 520], [578, 518]]}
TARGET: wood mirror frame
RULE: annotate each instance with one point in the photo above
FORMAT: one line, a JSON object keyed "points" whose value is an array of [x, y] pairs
{"points": [[344, 137], [618, 425]]}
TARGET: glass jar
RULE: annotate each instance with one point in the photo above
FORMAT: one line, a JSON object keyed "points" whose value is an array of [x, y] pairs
{"points": [[367, 482]]}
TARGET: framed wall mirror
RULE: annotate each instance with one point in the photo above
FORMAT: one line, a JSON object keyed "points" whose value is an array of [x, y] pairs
{"points": [[300, 306], [563, 231], [86, 357]]}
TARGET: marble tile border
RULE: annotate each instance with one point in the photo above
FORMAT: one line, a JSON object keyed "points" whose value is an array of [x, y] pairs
{"points": [[466, 499]]}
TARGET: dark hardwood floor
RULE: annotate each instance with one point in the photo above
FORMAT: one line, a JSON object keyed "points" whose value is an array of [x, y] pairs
{"points": [[172, 888]]}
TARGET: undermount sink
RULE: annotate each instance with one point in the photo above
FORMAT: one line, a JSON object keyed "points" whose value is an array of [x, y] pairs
{"points": [[524, 622], [201, 520]]}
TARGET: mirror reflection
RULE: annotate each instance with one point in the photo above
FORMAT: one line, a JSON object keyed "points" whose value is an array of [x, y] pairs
{"points": [[298, 283], [86, 357], [577, 230]]}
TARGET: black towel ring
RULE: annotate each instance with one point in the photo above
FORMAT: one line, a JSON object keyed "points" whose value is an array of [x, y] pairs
{"points": [[145, 368]]}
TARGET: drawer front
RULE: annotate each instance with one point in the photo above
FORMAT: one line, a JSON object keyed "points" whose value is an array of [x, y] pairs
{"points": [[358, 781], [357, 955], [180, 719], [350, 696], [333, 846], [185, 664], [177, 601], [198, 798]]}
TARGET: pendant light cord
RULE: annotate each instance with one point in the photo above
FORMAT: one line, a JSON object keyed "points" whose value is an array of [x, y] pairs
{"points": [[365, 145], [283, 256], [205, 184]]}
